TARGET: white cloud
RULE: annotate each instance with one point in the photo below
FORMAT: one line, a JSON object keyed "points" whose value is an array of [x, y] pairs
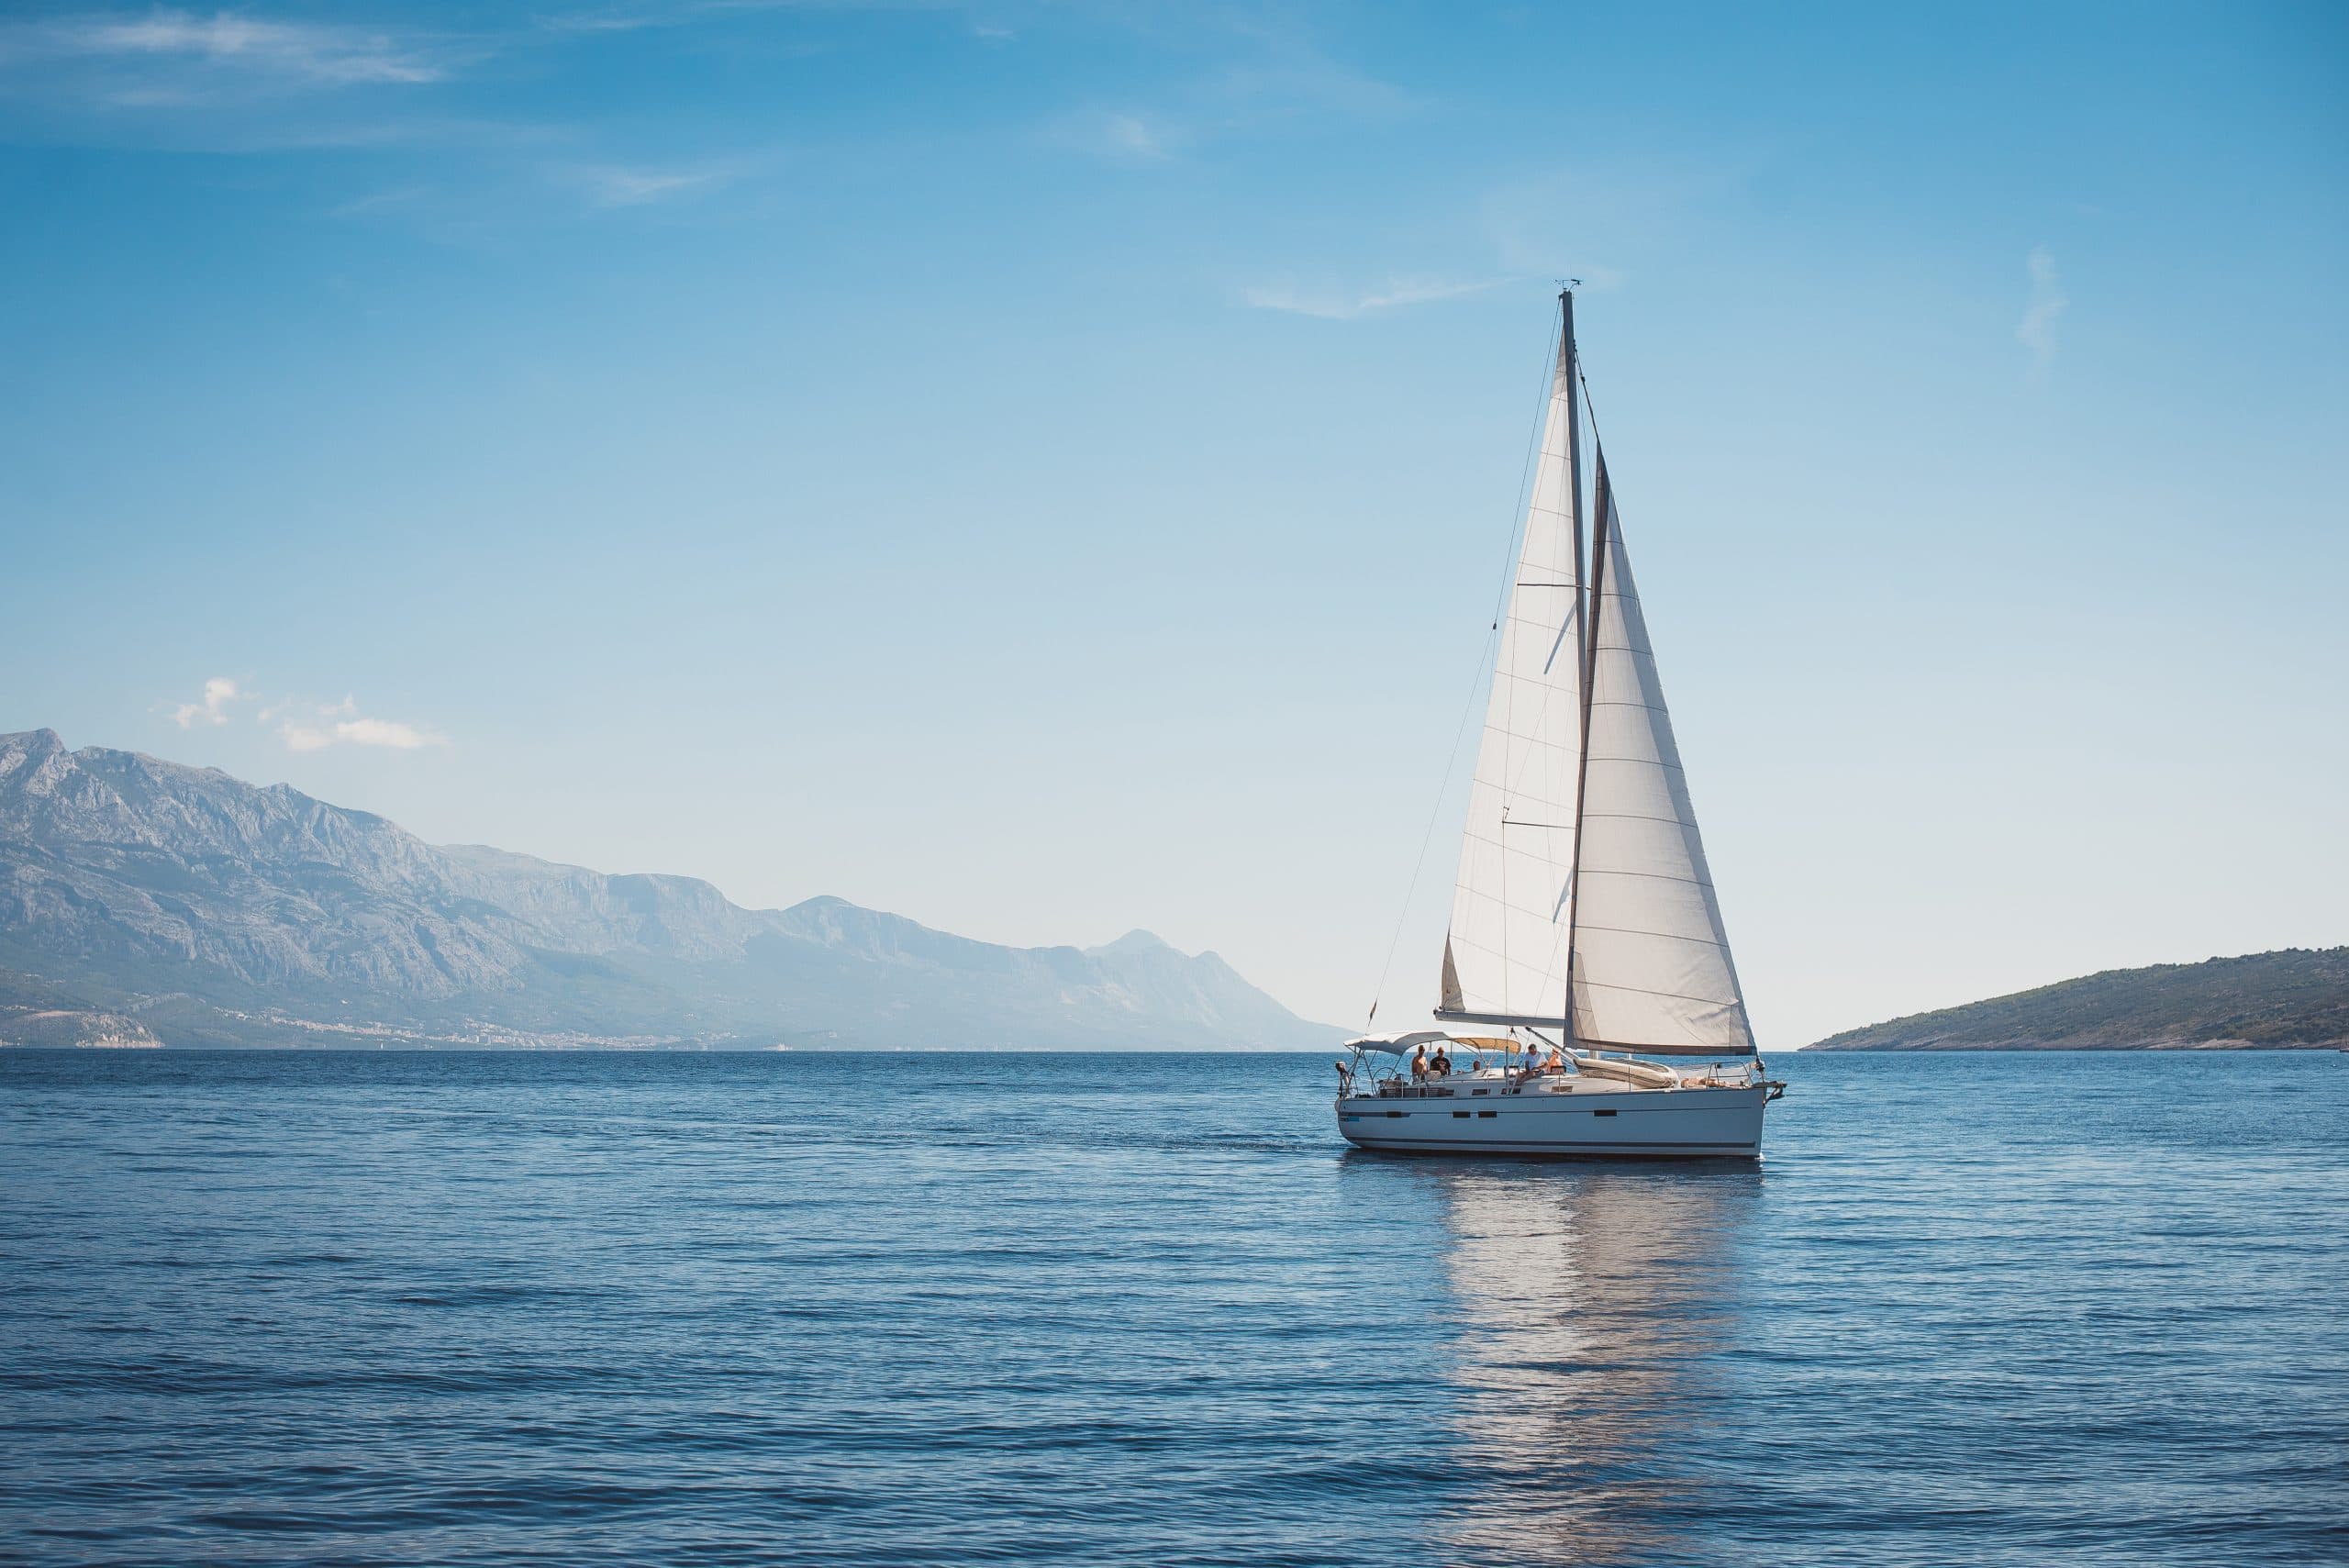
{"points": [[308, 725], [1346, 305], [313, 54], [213, 708], [384, 732], [2037, 329]]}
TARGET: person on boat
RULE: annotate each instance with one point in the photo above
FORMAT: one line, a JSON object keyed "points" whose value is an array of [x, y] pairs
{"points": [[1419, 1065], [1441, 1065]]}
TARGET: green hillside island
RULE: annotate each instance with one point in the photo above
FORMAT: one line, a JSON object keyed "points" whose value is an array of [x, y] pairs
{"points": [[2294, 1000]]}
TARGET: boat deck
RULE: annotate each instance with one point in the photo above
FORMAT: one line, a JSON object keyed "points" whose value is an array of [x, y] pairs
{"points": [[1490, 1083]]}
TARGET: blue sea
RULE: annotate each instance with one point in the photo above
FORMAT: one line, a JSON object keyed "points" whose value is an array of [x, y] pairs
{"points": [[901, 1310]]}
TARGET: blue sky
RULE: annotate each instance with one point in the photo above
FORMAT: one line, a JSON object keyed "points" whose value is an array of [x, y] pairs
{"points": [[1045, 470]]}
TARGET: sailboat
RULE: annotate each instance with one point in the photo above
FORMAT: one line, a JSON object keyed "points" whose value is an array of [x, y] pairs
{"points": [[1585, 929]]}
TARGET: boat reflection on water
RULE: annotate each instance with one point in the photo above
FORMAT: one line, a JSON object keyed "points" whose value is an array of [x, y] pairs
{"points": [[1600, 1308]]}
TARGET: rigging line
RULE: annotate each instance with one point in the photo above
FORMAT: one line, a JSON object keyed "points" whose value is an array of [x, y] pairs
{"points": [[1484, 657], [1591, 404]]}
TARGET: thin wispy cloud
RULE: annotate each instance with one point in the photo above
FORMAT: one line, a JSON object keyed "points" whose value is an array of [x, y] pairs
{"points": [[612, 185], [1130, 136], [2037, 329], [1276, 82], [677, 14], [211, 708], [1598, 221], [468, 203], [1337, 305], [222, 46], [1121, 136], [605, 20], [1296, 81], [393, 199], [271, 80]]}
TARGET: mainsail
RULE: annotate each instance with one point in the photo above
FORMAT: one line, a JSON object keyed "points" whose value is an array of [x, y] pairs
{"points": [[1652, 969], [1506, 954], [1581, 870]]}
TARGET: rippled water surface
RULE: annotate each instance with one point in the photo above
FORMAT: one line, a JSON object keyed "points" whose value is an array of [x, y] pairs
{"points": [[364, 1308]]}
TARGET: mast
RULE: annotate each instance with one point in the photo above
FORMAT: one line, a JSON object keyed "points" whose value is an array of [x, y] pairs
{"points": [[1574, 465], [1597, 581], [1588, 653]]}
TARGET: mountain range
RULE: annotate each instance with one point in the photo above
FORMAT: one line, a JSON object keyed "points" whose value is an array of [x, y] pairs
{"points": [[146, 901], [2294, 999]]}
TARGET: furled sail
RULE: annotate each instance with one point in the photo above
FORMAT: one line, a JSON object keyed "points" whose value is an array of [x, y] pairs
{"points": [[1506, 954], [1652, 967]]}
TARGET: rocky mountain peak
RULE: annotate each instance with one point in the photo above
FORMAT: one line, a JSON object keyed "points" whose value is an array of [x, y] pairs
{"points": [[125, 879], [1136, 941]]}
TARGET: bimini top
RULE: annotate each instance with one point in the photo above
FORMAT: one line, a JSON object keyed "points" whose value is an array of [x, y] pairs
{"points": [[1404, 1044]]}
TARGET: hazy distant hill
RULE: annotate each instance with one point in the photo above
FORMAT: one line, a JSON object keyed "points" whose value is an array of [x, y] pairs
{"points": [[186, 902], [2294, 999]]}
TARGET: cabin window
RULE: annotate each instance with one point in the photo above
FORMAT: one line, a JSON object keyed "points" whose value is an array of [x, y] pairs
{"points": [[1489, 1113], [1602, 1113], [1459, 1116]]}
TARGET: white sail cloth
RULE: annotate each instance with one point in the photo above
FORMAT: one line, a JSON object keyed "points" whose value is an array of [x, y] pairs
{"points": [[1652, 964], [1506, 954]]}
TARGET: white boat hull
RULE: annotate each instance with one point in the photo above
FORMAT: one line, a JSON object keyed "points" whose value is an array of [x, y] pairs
{"points": [[1687, 1124]]}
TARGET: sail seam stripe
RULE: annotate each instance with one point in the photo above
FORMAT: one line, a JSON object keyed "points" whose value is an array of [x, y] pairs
{"points": [[1657, 876], [1459, 940], [1674, 996], [1662, 936]]}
